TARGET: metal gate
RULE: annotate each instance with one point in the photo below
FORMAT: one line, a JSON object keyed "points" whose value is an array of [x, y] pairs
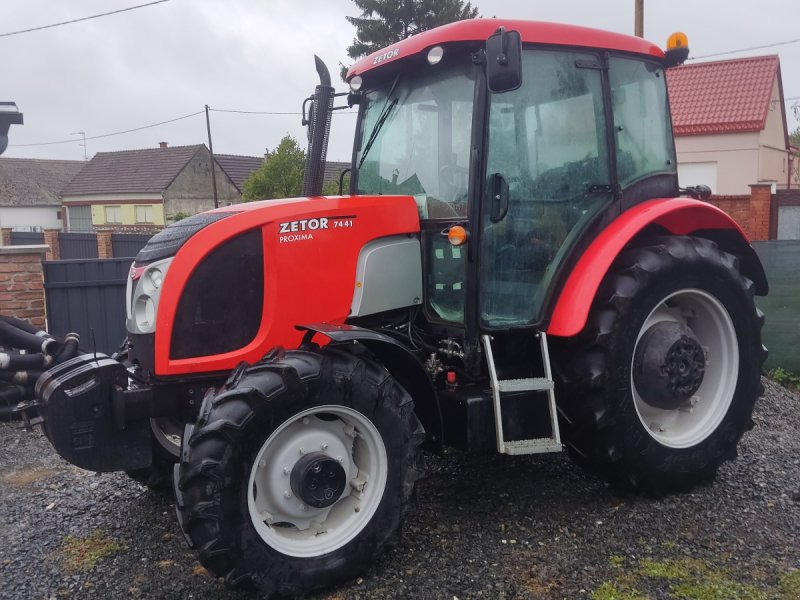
{"points": [[87, 297]]}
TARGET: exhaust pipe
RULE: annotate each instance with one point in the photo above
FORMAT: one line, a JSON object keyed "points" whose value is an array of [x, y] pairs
{"points": [[319, 127]]}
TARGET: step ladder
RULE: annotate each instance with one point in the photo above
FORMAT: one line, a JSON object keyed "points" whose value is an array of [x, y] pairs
{"points": [[531, 384]]}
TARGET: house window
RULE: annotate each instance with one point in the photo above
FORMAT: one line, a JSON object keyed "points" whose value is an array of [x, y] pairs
{"points": [[80, 218], [144, 214], [113, 214]]}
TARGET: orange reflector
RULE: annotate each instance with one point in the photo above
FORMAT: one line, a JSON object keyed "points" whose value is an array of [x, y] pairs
{"points": [[677, 40], [457, 235]]}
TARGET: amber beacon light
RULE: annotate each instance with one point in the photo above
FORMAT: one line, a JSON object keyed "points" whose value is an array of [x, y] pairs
{"points": [[677, 49]]}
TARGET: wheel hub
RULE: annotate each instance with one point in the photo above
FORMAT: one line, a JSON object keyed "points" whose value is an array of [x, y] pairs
{"points": [[318, 480], [669, 365]]}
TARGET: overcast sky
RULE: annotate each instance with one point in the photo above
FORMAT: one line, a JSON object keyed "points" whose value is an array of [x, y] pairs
{"points": [[165, 61]]}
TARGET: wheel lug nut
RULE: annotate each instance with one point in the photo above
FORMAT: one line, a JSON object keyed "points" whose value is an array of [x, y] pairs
{"points": [[324, 446], [339, 458], [302, 450], [286, 470], [287, 494]]}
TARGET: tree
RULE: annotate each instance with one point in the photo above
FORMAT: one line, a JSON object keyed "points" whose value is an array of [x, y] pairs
{"points": [[281, 175], [384, 22]]}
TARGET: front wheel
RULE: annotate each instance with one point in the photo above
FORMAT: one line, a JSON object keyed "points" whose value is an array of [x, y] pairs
{"points": [[299, 471], [660, 386]]}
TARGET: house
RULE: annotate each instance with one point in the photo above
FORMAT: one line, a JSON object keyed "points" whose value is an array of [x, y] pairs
{"points": [[29, 192], [239, 168], [141, 190], [729, 121]]}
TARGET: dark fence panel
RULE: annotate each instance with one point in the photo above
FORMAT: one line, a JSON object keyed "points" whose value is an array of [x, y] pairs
{"points": [[87, 297], [77, 245], [782, 306], [128, 244], [27, 238]]}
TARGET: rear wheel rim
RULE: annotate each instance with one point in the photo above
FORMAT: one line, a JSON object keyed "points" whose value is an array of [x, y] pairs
{"points": [[287, 523], [694, 421]]}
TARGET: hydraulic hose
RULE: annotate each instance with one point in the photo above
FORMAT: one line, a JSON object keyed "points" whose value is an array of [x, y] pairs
{"points": [[18, 371], [24, 325], [69, 348], [17, 338], [24, 362]]}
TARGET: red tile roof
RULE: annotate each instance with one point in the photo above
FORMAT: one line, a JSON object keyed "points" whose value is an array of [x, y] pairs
{"points": [[726, 96], [151, 170]]}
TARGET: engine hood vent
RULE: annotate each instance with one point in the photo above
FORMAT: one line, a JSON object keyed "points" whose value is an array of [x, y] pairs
{"points": [[168, 241]]}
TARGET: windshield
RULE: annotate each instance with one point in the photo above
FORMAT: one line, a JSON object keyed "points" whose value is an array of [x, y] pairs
{"points": [[416, 139]]}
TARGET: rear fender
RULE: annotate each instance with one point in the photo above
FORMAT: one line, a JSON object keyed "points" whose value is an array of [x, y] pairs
{"points": [[678, 216], [402, 364]]}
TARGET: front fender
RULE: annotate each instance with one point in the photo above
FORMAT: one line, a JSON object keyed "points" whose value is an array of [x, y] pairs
{"points": [[678, 216], [400, 362]]}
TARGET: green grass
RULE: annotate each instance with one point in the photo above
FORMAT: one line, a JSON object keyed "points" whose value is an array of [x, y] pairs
{"points": [[686, 578], [82, 554]]}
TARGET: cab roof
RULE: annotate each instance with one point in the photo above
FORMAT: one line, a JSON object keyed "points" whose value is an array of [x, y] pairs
{"points": [[538, 32]]}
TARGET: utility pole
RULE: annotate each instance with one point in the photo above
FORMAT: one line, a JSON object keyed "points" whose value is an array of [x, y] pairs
{"points": [[85, 152], [213, 169], [639, 19]]}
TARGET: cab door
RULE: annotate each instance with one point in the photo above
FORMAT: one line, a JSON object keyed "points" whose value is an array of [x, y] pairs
{"points": [[548, 175]]}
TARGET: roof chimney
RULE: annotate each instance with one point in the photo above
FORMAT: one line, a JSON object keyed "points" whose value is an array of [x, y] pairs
{"points": [[162, 144]]}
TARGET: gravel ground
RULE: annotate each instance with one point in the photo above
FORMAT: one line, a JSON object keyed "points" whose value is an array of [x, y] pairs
{"points": [[483, 527]]}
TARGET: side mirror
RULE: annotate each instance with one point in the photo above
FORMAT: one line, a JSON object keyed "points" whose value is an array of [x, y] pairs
{"points": [[504, 61]]}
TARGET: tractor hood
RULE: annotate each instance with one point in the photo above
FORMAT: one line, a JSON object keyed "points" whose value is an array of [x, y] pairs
{"points": [[234, 282]]}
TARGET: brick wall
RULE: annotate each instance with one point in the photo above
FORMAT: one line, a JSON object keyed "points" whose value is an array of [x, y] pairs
{"points": [[753, 213], [22, 283]]}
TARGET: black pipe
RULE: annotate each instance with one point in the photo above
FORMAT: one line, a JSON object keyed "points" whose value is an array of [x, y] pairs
{"points": [[20, 377], [24, 325], [23, 362], [69, 349], [18, 338]]}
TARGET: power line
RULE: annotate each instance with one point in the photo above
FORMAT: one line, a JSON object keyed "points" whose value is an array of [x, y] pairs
{"points": [[746, 49], [105, 135], [105, 14], [266, 112]]}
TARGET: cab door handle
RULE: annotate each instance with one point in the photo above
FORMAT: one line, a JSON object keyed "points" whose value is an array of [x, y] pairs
{"points": [[499, 198]]}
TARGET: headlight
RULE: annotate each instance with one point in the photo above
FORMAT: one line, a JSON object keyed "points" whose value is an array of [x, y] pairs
{"points": [[144, 313], [144, 285]]}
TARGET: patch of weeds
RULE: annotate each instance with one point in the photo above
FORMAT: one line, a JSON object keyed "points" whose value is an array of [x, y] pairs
{"points": [[787, 379], [693, 579], [669, 545], [789, 585], [616, 560], [615, 590], [687, 578], [82, 554]]}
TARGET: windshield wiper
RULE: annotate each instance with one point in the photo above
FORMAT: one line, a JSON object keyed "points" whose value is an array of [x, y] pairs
{"points": [[374, 135], [387, 108]]}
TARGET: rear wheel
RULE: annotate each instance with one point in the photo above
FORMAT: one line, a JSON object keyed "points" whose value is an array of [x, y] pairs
{"points": [[299, 471], [660, 386]]}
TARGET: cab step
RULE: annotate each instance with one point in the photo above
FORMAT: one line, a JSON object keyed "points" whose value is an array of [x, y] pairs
{"points": [[530, 384]]}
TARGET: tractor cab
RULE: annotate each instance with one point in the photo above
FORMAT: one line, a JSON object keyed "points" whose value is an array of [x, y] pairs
{"points": [[528, 145]]}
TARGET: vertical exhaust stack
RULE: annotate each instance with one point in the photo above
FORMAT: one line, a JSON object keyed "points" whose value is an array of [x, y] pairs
{"points": [[319, 127]]}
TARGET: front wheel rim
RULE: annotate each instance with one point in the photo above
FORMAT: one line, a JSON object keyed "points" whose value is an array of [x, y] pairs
{"points": [[282, 519], [693, 422]]}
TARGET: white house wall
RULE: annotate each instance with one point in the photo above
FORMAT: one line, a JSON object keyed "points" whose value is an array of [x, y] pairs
{"points": [[773, 165], [736, 156], [30, 218]]}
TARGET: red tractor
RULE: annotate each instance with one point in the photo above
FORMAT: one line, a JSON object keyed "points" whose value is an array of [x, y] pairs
{"points": [[514, 270]]}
